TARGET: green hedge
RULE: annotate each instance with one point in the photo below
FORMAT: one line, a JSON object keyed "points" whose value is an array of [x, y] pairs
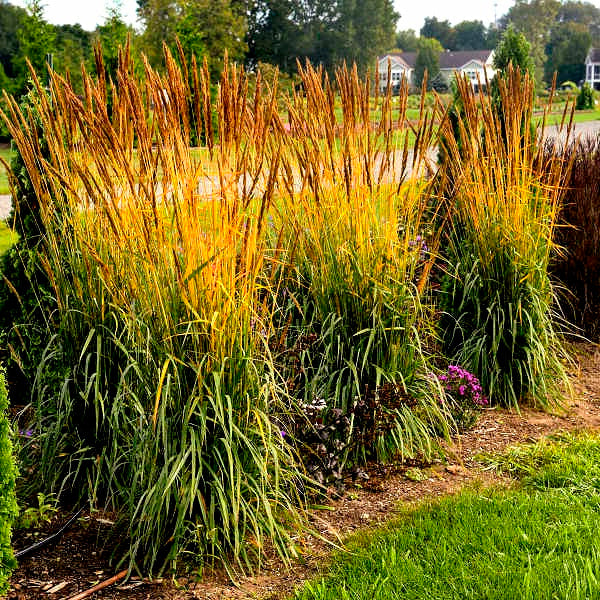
{"points": [[8, 503]]}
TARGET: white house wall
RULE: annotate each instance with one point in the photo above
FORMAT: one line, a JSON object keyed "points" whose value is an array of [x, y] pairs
{"points": [[592, 74], [396, 75], [397, 72]]}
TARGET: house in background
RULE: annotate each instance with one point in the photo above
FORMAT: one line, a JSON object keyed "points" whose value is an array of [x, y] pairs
{"points": [[400, 65], [472, 63], [475, 64], [592, 68]]}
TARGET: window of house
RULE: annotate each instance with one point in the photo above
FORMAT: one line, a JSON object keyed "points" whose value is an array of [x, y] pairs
{"points": [[589, 72], [596, 71]]}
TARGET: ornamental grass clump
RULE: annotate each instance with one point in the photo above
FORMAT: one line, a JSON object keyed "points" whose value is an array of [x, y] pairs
{"points": [[498, 297], [8, 502], [355, 217], [157, 393]]}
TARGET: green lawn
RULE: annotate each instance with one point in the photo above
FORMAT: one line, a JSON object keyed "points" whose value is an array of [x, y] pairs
{"points": [[583, 116], [537, 541], [412, 114], [5, 153], [7, 238], [580, 116]]}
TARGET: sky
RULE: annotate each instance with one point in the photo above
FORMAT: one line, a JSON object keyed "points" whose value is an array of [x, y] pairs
{"points": [[413, 13], [89, 13]]}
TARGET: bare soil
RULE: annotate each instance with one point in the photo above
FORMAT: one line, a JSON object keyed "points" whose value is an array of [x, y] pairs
{"points": [[81, 558]]}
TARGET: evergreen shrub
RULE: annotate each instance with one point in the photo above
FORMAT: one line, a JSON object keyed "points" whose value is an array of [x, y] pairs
{"points": [[8, 503], [26, 299], [585, 98]]}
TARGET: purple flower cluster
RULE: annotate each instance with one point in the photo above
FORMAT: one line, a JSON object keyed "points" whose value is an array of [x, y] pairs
{"points": [[463, 396], [419, 247], [463, 386], [419, 243]]}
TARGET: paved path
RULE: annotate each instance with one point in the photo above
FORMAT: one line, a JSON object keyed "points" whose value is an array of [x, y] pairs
{"points": [[582, 129], [4, 207], [591, 127]]}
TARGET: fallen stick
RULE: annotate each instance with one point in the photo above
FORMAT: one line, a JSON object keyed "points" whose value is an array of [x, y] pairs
{"points": [[99, 586]]}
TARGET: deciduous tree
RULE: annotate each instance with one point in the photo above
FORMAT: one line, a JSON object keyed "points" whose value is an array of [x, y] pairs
{"points": [[366, 29], [36, 40], [442, 31], [584, 13], [276, 35], [11, 18], [568, 46], [213, 26], [428, 60], [160, 19], [73, 47], [326, 32], [204, 27], [407, 40], [534, 19], [470, 35]]}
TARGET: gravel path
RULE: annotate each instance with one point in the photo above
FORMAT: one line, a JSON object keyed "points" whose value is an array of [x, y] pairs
{"points": [[589, 128]]}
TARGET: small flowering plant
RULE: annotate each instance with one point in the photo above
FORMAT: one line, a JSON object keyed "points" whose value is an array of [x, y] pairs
{"points": [[464, 396], [418, 251], [419, 244]]}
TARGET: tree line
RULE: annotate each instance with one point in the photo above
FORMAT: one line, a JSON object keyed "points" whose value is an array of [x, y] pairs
{"points": [[280, 32], [277, 32]]}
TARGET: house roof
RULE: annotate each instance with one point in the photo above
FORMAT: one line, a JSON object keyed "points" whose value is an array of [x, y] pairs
{"points": [[594, 55], [456, 60], [448, 60], [473, 64], [410, 58], [399, 58]]}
